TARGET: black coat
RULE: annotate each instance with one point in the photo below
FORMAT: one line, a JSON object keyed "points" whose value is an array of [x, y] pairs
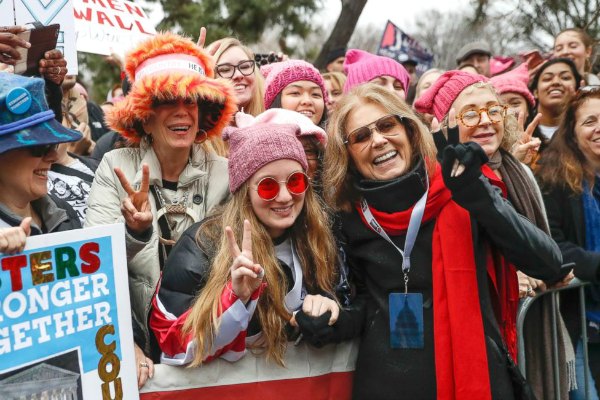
{"points": [[567, 226], [385, 373]]}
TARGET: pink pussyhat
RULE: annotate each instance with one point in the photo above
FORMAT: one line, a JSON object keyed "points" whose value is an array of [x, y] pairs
{"points": [[438, 99], [514, 82], [362, 67]]}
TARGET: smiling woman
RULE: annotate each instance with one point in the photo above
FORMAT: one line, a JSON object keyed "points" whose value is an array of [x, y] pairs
{"points": [[167, 180], [28, 143], [405, 224]]}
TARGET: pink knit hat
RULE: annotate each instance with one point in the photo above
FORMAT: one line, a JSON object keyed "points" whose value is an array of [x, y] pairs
{"points": [[279, 75], [282, 116], [362, 67], [253, 146], [438, 99], [514, 82]]}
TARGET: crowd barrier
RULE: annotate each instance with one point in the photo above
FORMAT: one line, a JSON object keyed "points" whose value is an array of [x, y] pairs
{"points": [[309, 373], [526, 304]]}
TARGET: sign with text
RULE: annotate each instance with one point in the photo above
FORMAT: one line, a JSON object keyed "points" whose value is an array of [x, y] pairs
{"points": [[61, 332], [110, 26], [47, 12], [401, 47]]}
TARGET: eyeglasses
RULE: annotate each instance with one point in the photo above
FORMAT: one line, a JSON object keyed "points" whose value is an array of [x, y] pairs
{"points": [[472, 118], [268, 188], [386, 126], [227, 71], [42, 150]]}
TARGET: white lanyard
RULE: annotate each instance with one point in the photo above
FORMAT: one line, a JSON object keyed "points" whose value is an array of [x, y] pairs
{"points": [[416, 216]]}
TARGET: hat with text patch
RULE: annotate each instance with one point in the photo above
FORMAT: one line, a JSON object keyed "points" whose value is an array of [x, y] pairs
{"points": [[25, 119], [170, 67]]}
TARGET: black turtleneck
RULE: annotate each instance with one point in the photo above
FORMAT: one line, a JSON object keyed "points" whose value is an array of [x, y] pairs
{"points": [[396, 194]]}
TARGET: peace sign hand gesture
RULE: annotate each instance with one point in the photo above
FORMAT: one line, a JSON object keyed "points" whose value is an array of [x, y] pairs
{"points": [[527, 146], [246, 276], [461, 162], [136, 207]]}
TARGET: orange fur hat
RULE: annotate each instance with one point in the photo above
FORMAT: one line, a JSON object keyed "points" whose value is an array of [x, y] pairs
{"points": [[168, 66]]}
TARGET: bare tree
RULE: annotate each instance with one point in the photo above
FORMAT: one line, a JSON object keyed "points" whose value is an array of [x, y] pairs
{"points": [[343, 29], [367, 37]]}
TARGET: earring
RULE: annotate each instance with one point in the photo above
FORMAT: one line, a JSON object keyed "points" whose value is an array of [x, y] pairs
{"points": [[148, 138], [201, 136]]}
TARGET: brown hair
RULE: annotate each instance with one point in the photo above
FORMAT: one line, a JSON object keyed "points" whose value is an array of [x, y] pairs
{"points": [[317, 252], [337, 79], [587, 41], [562, 163], [339, 167]]}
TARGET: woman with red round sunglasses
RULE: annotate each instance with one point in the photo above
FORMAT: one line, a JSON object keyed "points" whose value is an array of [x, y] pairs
{"points": [[236, 280]]}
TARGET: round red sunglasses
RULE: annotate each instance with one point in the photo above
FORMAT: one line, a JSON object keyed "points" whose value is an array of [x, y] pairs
{"points": [[268, 187]]}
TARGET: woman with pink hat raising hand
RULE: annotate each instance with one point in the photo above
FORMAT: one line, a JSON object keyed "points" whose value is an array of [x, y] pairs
{"points": [[218, 296]]}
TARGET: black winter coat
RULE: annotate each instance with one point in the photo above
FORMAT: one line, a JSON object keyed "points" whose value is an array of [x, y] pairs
{"points": [[385, 373]]}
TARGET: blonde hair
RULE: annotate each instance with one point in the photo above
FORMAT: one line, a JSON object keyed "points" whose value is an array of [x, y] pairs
{"points": [[337, 79], [317, 253], [256, 104], [340, 168]]}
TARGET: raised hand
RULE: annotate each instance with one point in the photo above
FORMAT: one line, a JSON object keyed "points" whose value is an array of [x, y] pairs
{"points": [[136, 207], [12, 240], [461, 162], [524, 150], [9, 41], [246, 276], [202, 38], [53, 66]]}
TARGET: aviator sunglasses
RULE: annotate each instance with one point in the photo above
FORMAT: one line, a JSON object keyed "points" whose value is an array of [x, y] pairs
{"points": [[386, 126], [268, 187]]}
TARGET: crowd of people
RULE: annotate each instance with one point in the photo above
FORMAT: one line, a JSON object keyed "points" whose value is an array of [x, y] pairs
{"points": [[271, 203]]}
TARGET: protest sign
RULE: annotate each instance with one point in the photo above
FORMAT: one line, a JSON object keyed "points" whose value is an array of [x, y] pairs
{"points": [[65, 318], [48, 12], [401, 47], [110, 26]]}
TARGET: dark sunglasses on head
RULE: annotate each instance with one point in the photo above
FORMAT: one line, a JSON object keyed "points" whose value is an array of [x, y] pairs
{"points": [[386, 126], [268, 187], [42, 150]]}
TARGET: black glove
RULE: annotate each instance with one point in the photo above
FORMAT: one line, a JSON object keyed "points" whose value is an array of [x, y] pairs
{"points": [[315, 330], [470, 155]]}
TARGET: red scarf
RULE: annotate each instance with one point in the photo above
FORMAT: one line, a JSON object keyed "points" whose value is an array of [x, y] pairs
{"points": [[460, 351]]}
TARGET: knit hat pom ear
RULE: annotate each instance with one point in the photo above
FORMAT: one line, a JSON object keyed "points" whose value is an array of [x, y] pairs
{"points": [[425, 103], [243, 120], [266, 69], [353, 56]]}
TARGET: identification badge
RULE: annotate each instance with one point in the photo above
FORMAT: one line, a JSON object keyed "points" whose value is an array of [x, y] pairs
{"points": [[406, 321]]}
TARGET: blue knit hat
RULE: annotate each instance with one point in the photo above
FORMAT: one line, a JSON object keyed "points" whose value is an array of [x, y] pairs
{"points": [[25, 119]]}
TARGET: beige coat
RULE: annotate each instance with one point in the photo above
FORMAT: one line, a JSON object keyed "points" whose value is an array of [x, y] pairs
{"points": [[204, 177]]}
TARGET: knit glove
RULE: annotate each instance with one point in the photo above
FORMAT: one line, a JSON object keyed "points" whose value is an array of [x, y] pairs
{"points": [[317, 332], [461, 162]]}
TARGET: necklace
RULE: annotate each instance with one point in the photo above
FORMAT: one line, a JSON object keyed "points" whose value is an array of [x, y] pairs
{"points": [[177, 206]]}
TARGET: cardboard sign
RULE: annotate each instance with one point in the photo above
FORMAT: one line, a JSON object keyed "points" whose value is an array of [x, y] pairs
{"points": [[401, 47], [61, 331], [110, 26]]}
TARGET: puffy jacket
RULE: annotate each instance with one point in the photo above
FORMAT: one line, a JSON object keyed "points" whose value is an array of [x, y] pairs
{"points": [[205, 179]]}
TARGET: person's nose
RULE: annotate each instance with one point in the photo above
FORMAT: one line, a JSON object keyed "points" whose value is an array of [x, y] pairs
{"points": [[485, 118], [377, 139], [306, 99], [51, 156], [284, 194]]}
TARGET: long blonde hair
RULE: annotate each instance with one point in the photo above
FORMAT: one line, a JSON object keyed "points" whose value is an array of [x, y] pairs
{"points": [[340, 171], [311, 235]]}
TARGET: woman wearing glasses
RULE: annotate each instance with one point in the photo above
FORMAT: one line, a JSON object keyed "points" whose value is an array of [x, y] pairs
{"points": [[235, 280], [27, 150], [568, 172], [420, 240]]}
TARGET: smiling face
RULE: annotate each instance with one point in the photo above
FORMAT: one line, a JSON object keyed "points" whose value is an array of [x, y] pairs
{"points": [[516, 103], [390, 83], [381, 157], [242, 85], [304, 97], [587, 130], [487, 134], [173, 125], [569, 45], [23, 177], [280, 213], [555, 87]]}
